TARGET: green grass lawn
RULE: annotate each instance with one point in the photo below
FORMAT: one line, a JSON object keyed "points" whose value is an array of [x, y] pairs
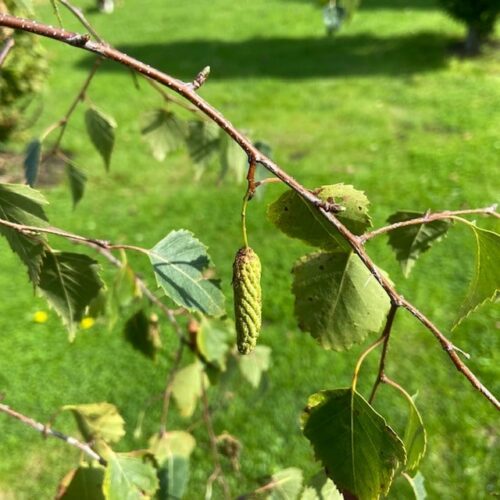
{"points": [[383, 106]]}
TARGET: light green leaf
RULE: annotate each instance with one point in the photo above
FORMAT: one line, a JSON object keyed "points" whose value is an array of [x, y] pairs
{"points": [[486, 280], [253, 365], [23, 205], [163, 132], [415, 438], [297, 218], [172, 451], [85, 484], [286, 484], [232, 159], [187, 388], [202, 141], [143, 334], [179, 261], [337, 300], [321, 488], [101, 130], [213, 341], [179, 443], [98, 421], [128, 478], [417, 485], [69, 282], [359, 451], [77, 180], [32, 161], [412, 241]]}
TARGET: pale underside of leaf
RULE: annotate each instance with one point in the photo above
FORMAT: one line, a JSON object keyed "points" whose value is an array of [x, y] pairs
{"points": [[485, 283], [179, 262], [337, 299]]}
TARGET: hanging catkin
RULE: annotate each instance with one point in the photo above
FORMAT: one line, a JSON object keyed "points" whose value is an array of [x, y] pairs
{"points": [[247, 298]]}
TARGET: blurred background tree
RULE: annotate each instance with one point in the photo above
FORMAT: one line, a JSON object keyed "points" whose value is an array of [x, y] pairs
{"points": [[22, 75], [478, 15]]}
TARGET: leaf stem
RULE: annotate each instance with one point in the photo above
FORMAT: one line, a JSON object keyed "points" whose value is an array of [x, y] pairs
{"points": [[361, 359]]}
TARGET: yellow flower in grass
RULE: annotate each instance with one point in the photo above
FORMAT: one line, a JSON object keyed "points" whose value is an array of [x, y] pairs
{"points": [[87, 323], [40, 317]]}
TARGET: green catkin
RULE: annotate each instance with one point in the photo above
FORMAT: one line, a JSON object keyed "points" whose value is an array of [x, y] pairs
{"points": [[247, 298]]}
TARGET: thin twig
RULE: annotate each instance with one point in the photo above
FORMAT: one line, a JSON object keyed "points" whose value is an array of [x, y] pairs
{"points": [[386, 336], [6, 48], [47, 431], [429, 217], [63, 122], [169, 384], [185, 90], [217, 473]]}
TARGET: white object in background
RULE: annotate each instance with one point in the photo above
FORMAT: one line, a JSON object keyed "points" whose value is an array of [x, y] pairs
{"points": [[106, 6]]}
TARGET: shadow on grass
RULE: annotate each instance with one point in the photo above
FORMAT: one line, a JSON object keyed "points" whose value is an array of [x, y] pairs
{"points": [[384, 4], [345, 56]]}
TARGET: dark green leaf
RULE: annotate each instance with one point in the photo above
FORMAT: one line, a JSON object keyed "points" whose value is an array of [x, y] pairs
{"points": [[163, 132], [179, 261], [415, 438], [213, 340], [142, 334], [98, 421], [32, 161], [297, 218], [101, 130], [286, 484], [128, 478], [337, 300], [253, 365], [69, 282], [232, 159], [23, 205], [187, 388], [486, 280], [77, 180], [172, 451], [359, 451], [412, 241], [202, 141], [85, 484]]}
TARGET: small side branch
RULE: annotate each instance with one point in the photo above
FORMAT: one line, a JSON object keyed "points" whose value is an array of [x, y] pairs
{"points": [[207, 418], [105, 249], [47, 431], [200, 79], [386, 335], [429, 217], [6, 48]]}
